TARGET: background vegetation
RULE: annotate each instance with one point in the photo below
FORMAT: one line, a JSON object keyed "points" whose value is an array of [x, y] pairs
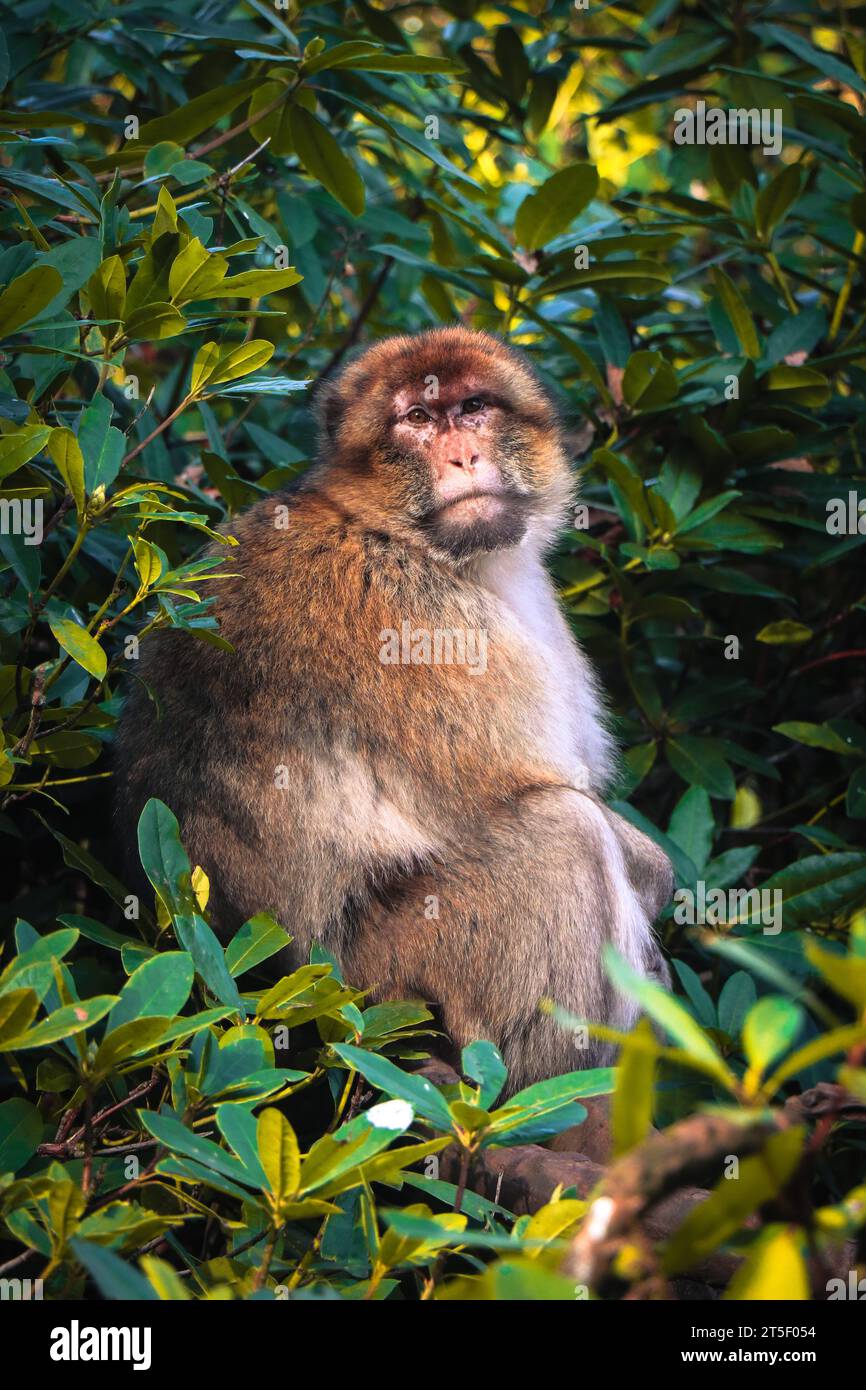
{"points": [[205, 206]]}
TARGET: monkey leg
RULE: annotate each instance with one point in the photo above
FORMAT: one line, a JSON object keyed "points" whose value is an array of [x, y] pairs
{"points": [[516, 914]]}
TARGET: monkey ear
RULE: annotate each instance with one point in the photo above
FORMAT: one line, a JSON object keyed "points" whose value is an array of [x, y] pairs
{"points": [[329, 408]]}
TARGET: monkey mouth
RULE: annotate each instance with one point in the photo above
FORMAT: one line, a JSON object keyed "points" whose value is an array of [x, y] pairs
{"points": [[476, 504], [472, 507], [478, 520]]}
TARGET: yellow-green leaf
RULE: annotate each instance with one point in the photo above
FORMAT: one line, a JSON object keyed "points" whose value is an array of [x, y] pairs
{"points": [[279, 1154], [106, 289], [801, 385], [241, 361], [195, 273], [323, 158], [784, 632], [252, 284], [837, 1040], [845, 974], [18, 448], [551, 209], [65, 453], [771, 1026], [632, 1104], [155, 321], [147, 562], [165, 217], [775, 1268], [27, 296], [203, 365], [63, 1023], [80, 645], [164, 1280]]}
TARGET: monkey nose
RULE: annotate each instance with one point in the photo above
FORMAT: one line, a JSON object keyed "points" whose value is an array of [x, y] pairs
{"points": [[466, 463]]}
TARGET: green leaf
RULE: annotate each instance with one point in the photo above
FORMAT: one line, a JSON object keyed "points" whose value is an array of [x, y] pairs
{"points": [[183, 123], [816, 736], [736, 310], [238, 1126], [178, 1139], [405, 62], [63, 1023], [20, 447], [552, 208], [197, 937], [482, 1062], [27, 296], [322, 158], [164, 858], [702, 1005], [815, 57], [129, 1039], [252, 284], [257, 940], [196, 273], [670, 1015], [159, 987], [845, 974], [148, 562], [855, 799], [799, 385], [698, 761], [775, 198], [770, 1028], [81, 646], [828, 1045], [736, 999], [113, 1276], [341, 55], [421, 1094], [815, 888], [21, 1127], [18, 1008], [649, 381], [693, 826], [102, 446]]}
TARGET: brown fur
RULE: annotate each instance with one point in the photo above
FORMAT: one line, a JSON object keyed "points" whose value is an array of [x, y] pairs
{"points": [[412, 788]]}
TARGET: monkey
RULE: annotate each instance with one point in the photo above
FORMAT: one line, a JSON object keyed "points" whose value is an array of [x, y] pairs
{"points": [[404, 757]]}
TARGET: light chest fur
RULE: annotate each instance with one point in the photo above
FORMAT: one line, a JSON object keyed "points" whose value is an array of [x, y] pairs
{"points": [[570, 728]]}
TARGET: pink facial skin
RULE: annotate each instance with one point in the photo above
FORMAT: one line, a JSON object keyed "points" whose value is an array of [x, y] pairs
{"points": [[456, 434]]}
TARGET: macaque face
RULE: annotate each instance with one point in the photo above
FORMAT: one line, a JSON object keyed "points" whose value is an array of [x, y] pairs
{"points": [[450, 434], [458, 448]]}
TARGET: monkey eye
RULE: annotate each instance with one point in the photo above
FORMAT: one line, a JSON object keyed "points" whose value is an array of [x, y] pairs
{"points": [[471, 405], [417, 416]]}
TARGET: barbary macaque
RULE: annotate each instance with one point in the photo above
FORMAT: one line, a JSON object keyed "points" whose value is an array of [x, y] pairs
{"points": [[404, 757]]}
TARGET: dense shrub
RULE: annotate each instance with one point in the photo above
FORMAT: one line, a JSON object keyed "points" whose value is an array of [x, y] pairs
{"points": [[204, 210]]}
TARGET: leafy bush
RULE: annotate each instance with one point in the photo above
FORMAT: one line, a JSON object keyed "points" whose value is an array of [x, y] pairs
{"points": [[202, 217]]}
